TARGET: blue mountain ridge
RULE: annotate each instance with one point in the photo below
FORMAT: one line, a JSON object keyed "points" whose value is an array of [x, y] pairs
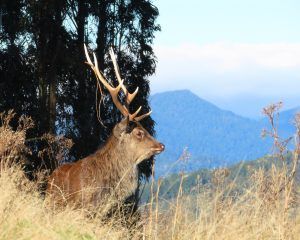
{"points": [[198, 134]]}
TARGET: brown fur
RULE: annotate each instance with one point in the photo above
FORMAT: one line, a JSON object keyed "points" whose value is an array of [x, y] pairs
{"points": [[110, 171]]}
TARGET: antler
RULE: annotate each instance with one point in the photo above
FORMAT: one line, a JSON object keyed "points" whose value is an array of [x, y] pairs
{"points": [[129, 96], [114, 91]]}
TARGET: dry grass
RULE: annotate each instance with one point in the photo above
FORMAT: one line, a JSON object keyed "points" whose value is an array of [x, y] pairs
{"points": [[25, 215], [215, 214], [12, 143], [267, 209], [211, 214]]}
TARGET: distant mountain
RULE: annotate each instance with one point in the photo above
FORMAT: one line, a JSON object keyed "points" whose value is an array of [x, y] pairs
{"points": [[212, 136]]}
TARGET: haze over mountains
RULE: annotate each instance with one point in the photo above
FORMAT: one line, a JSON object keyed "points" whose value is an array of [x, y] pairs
{"points": [[212, 136]]}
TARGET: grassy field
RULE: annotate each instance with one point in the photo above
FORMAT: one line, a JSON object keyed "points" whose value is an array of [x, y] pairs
{"points": [[263, 211], [267, 207]]}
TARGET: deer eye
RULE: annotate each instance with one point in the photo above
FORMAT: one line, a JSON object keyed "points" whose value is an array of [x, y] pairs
{"points": [[139, 134]]}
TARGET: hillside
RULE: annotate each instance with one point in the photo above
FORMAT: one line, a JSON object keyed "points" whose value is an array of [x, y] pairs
{"points": [[212, 136], [240, 173]]}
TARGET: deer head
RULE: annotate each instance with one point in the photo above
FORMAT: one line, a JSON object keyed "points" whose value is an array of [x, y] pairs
{"points": [[129, 133]]}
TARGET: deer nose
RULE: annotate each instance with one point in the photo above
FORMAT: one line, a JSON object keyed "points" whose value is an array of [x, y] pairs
{"points": [[162, 146]]}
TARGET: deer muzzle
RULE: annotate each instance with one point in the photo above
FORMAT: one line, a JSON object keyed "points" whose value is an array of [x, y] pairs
{"points": [[159, 148]]}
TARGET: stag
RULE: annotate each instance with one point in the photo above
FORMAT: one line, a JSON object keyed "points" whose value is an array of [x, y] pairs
{"points": [[112, 169]]}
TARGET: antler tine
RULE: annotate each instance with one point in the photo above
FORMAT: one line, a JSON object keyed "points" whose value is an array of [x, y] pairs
{"points": [[113, 91], [133, 116], [129, 96], [142, 116], [87, 55]]}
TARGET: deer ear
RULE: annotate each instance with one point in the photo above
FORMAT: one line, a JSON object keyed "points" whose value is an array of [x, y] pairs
{"points": [[121, 127]]}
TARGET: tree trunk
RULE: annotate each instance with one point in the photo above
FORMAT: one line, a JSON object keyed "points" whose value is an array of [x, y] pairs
{"points": [[102, 33], [81, 109], [40, 40]]}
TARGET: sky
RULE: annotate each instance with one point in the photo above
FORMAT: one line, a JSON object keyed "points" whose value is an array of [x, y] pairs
{"points": [[238, 54]]}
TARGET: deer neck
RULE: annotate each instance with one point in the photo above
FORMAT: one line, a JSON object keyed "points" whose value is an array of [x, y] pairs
{"points": [[117, 163]]}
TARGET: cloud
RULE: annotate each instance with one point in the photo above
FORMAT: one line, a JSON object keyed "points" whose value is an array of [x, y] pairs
{"points": [[234, 66], [222, 57]]}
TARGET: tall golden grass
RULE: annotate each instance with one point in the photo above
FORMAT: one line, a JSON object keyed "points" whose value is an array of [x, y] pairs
{"points": [[266, 208]]}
